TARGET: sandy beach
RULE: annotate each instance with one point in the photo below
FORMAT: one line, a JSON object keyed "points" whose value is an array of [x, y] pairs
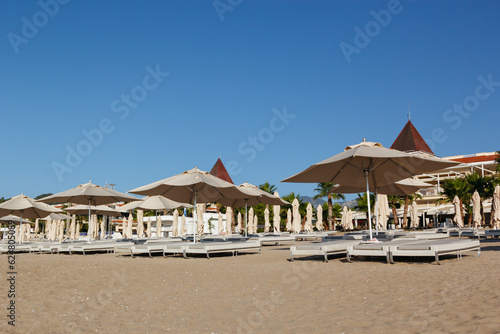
{"points": [[253, 293]]}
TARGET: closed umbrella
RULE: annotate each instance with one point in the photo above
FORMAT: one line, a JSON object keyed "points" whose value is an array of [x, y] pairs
{"points": [[382, 211], [229, 220], [296, 224], [267, 223], [370, 165], [37, 225], [200, 209], [458, 212], [476, 209], [62, 223], [140, 223], [349, 220], [250, 222], [319, 217], [148, 229], [77, 232], [308, 227], [192, 186], [415, 219], [496, 208], [255, 224], [129, 226], [183, 225], [220, 226], [103, 227], [158, 226], [239, 228], [345, 218], [175, 229], [276, 215], [289, 220]]}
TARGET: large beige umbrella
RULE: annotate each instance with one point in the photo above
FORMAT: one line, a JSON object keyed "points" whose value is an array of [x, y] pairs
{"points": [[239, 228], [476, 209], [175, 229], [276, 215], [14, 218], [158, 226], [382, 214], [458, 212], [229, 220], [26, 207], [154, 203], [140, 223], [415, 219], [148, 229], [495, 205], [406, 186], [183, 225], [296, 224], [250, 222], [289, 220], [369, 165], [308, 227], [192, 186], [319, 217], [267, 223]]}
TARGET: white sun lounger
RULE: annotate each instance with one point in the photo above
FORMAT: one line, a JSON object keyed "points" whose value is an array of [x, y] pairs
{"points": [[274, 239], [435, 248], [217, 247], [146, 248], [322, 248], [491, 233], [376, 248], [97, 247], [468, 232]]}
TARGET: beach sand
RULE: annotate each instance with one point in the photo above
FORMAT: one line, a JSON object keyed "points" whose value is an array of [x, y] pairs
{"points": [[253, 293]]}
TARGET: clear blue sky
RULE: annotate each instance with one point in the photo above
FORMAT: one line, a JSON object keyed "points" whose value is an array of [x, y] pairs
{"points": [[86, 65]]}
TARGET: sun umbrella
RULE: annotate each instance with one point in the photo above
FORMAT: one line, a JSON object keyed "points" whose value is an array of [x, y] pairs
{"points": [[130, 221], [458, 212], [140, 223], [319, 217], [267, 223], [476, 209], [308, 227], [200, 209], [60, 236], [158, 227], [255, 223], [192, 186], [148, 229], [350, 217], [345, 217], [21, 233], [103, 227], [406, 186], [220, 226], [26, 207], [37, 225], [289, 220], [183, 225], [250, 222], [98, 210], [154, 203], [296, 217], [175, 230], [496, 208], [14, 219], [370, 165], [239, 227], [229, 220], [415, 219], [276, 215]]}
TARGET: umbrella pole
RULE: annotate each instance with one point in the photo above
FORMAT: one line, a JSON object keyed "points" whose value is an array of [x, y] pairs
{"points": [[195, 216], [246, 218], [88, 228], [368, 202], [377, 212]]}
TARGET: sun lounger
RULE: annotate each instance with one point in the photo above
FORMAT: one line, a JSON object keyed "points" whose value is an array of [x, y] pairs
{"points": [[375, 248], [468, 232], [435, 248], [220, 247], [324, 249], [309, 236], [97, 247], [146, 248], [274, 239], [491, 233]]}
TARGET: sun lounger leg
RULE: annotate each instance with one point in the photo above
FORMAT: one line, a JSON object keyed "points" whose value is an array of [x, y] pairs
{"points": [[437, 257], [326, 256], [184, 254], [208, 255], [348, 256]]}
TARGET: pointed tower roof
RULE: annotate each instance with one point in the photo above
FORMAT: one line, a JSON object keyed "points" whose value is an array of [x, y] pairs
{"points": [[220, 171], [410, 140]]}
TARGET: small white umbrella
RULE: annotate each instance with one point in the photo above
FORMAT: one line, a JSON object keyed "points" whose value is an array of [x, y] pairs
{"points": [[158, 226], [21, 233], [175, 229], [103, 227], [267, 223], [458, 212], [276, 215], [229, 220], [62, 223], [200, 210], [129, 226], [239, 228], [255, 223], [319, 217], [296, 224], [140, 223], [37, 225], [308, 227], [289, 220], [220, 226], [349, 220], [345, 218], [183, 225], [496, 208], [476, 209], [382, 211], [148, 229], [77, 232], [250, 222], [72, 228], [415, 219]]}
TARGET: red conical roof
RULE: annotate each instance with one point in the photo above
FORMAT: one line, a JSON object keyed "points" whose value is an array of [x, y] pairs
{"points": [[410, 140], [220, 171]]}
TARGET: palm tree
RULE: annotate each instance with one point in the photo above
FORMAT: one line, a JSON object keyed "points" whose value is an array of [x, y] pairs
{"points": [[270, 188], [323, 190], [395, 202], [362, 203]]}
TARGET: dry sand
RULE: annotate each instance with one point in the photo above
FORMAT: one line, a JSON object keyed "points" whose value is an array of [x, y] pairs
{"points": [[253, 293]]}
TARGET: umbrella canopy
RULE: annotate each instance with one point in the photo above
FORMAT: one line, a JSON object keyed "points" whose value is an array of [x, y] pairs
{"points": [[406, 186], [56, 216], [371, 166], [458, 212], [103, 210], [14, 219], [154, 203], [253, 195], [308, 227], [26, 207], [476, 208], [496, 208], [415, 219], [276, 215], [319, 217]]}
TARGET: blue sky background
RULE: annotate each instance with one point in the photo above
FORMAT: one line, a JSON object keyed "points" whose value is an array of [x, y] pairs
{"points": [[227, 73]]}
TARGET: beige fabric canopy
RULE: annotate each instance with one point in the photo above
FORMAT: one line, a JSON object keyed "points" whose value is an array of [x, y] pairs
{"points": [[26, 207], [250, 222], [239, 228]]}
